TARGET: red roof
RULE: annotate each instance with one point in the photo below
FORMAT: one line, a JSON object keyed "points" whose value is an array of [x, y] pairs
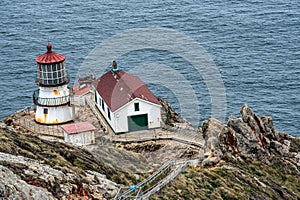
{"points": [[78, 127], [50, 57], [81, 90], [119, 88]]}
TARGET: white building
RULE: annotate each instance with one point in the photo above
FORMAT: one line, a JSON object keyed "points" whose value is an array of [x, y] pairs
{"points": [[80, 92], [126, 102], [52, 99], [82, 133]]}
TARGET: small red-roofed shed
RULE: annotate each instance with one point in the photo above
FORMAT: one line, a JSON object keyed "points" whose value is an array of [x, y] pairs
{"points": [[82, 133]]}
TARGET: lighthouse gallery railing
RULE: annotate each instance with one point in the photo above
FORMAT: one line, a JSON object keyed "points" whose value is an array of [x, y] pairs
{"points": [[50, 101]]}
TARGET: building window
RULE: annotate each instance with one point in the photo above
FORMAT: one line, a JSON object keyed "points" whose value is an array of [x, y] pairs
{"points": [[96, 98], [45, 110], [136, 107], [108, 113], [102, 102]]}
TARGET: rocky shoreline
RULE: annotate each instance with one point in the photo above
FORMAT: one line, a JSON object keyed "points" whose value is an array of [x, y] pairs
{"points": [[246, 158]]}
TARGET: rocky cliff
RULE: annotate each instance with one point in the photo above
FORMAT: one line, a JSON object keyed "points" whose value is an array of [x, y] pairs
{"points": [[32, 168], [244, 159]]}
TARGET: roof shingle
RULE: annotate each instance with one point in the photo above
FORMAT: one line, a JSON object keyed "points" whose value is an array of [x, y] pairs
{"points": [[50, 57], [119, 88], [78, 127]]}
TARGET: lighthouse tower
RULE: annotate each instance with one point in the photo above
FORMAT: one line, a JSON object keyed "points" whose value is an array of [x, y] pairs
{"points": [[52, 99]]}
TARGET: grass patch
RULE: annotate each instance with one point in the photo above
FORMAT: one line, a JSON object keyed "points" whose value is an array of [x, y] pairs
{"points": [[236, 181]]}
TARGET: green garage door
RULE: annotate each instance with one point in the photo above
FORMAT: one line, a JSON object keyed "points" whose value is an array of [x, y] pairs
{"points": [[137, 122]]}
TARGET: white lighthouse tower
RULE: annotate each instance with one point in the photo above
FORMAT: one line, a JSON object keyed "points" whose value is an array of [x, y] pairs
{"points": [[52, 99]]}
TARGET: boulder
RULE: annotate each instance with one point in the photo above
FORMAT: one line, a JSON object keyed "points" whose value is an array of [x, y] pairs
{"points": [[210, 161], [211, 130]]}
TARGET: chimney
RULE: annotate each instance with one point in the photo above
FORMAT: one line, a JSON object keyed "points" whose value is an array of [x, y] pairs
{"points": [[114, 67]]}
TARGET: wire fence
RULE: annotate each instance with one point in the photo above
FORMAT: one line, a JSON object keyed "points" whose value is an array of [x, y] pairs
{"points": [[46, 130]]}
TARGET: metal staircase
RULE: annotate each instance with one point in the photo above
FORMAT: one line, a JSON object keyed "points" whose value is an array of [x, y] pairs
{"points": [[151, 185]]}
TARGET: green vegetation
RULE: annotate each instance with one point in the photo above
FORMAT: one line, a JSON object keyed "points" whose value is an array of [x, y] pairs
{"points": [[236, 180], [295, 145]]}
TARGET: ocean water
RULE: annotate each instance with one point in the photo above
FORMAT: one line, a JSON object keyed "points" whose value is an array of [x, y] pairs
{"points": [[255, 46]]}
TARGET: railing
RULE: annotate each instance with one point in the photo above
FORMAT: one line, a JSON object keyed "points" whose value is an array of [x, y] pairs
{"points": [[30, 125], [52, 82], [163, 176], [50, 101], [139, 187], [161, 184]]}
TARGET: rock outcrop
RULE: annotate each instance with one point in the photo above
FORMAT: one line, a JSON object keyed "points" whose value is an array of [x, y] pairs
{"points": [[244, 159], [211, 130], [254, 136], [31, 168], [248, 136], [36, 180], [13, 187], [169, 116]]}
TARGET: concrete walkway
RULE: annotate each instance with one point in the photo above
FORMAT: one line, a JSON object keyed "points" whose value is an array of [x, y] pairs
{"points": [[153, 135]]}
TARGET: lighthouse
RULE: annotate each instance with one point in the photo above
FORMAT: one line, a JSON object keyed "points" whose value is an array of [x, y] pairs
{"points": [[52, 99]]}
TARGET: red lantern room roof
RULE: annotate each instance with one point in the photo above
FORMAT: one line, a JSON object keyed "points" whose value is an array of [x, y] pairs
{"points": [[50, 56]]}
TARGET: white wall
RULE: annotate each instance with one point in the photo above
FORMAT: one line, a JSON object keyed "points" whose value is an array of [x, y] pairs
{"points": [[104, 112], [56, 115], [80, 100], [119, 121], [53, 92], [83, 138], [153, 111]]}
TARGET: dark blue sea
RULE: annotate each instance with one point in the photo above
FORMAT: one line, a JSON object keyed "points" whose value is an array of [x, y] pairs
{"points": [[254, 45]]}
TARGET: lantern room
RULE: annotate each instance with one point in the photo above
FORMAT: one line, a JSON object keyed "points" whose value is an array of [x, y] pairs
{"points": [[51, 69]]}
